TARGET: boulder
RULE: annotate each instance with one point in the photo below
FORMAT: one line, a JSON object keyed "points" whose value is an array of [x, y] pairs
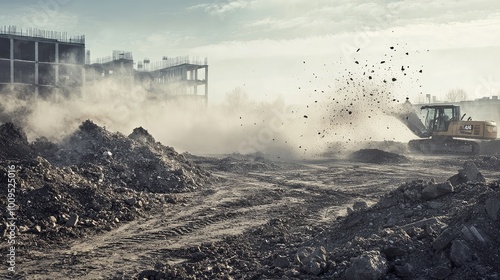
{"points": [[443, 240], [436, 190], [471, 173], [369, 266], [460, 253]]}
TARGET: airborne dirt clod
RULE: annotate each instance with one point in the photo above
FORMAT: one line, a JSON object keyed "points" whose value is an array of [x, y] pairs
{"points": [[101, 205]]}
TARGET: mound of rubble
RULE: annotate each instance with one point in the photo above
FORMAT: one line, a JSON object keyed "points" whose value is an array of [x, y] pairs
{"points": [[377, 156], [14, 143], [136, 161], [93, 180], [421, 230]]}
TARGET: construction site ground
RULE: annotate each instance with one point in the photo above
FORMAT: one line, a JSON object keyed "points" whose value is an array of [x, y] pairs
{"points": [[329, 218]]}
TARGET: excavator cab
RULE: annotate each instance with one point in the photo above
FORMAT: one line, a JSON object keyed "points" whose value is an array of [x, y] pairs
{"points": [[438, 117]]}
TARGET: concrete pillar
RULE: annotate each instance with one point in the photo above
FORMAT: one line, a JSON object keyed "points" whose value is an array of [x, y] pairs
{"points": [[56, 70], [11, 61], [196, 81], [36, 68], [36, 63], [206, 84]]}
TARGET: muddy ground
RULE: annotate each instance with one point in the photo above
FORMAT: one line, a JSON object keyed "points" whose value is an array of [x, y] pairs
{"points": [[246, 217]]}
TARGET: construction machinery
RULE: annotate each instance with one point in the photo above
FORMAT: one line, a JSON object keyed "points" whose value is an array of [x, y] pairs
{"points": [[445, 130]]}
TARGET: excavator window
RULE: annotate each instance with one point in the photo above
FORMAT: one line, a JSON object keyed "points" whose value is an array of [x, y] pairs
{"points": [[439, 118]]}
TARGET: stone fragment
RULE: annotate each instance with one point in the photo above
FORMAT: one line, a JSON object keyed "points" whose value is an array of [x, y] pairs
{"points": [[471, 173], [359, 205], [492, 206], [403, 270], [312, 261], [392, 252], [72, 221], [460, 253], [436, 190], [443, 239], [281, 261], [37, 229], [369, 266], [131, 201], [476, 234]]}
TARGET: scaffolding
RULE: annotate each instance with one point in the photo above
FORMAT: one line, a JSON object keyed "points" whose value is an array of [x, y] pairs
{"points": [[171, 62], [44, 34]]}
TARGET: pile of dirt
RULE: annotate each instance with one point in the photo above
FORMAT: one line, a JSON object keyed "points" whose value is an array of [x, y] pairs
{"points": [[56, 203], [14, 143], [377, 156], [136, 161], [92, 181], [421, 230]]}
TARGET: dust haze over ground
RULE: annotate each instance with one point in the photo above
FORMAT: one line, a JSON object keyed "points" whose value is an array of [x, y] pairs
{"points": [[351, 105]]}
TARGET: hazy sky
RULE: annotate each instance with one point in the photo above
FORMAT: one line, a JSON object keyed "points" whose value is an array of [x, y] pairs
{"points": [[275, 47]]}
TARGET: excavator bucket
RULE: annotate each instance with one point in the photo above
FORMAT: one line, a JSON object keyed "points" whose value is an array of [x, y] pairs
{"points": [[408, 116]]}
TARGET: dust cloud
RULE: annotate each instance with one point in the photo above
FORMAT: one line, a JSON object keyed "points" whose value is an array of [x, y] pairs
{"points": [[355, 109]]}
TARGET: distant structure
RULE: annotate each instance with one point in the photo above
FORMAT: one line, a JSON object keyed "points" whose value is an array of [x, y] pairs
{"points": [[173, 77], [41, 62]]}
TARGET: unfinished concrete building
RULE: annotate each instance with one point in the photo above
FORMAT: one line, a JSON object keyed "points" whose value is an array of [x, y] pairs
{"points": [[39, 62], [171, 77], [35, 62]]}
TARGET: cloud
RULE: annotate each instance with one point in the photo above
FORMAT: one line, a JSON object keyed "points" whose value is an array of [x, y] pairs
{"points": [[223, 8]]}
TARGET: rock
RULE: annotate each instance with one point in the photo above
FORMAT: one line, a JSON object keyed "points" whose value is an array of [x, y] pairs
{"points": [[403, 270], [107, 154], [443, 239], [456, 180], [466, 233], [471, 173], [281, 261], [392, 252], [319, 254], [476, 234], [359, 205], [460, 253], [436, 190], [72, 221], [52, 220], [315, 268], [37, 229], [312, 261], [440, 272], [131, 201], [492, 206], [369, 266]]}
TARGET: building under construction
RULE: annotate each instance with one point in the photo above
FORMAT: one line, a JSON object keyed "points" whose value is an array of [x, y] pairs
{"points": [[41, 62]]}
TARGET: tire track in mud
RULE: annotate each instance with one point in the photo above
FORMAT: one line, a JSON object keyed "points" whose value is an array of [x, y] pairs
{"points": [[236, 204], [207, 216]]}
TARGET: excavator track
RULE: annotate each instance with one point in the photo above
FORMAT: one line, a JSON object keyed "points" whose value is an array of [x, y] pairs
{"points": [[444, 146]]}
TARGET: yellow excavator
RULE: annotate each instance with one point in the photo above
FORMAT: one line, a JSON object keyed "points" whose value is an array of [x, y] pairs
{"points": [[445, 130]]}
